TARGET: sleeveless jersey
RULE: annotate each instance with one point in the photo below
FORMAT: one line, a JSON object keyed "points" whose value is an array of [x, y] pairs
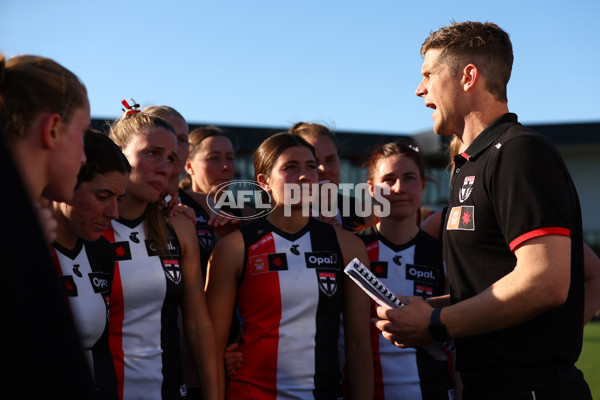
{"points": [[206, 234], [85, 278], [207, 238], [413, 269], [290, 300], [146, 294]]}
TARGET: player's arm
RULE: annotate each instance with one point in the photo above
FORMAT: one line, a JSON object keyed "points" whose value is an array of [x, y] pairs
{"points": [[433, 224], [357, 312], [439, 301], [224, 270], [197, 326]]}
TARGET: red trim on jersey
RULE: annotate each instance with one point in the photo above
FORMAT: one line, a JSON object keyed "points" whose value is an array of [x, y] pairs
{"points": [[539, 232], [261, 340], [56, 263], [115, 327], [58, 269], [373, 253]]}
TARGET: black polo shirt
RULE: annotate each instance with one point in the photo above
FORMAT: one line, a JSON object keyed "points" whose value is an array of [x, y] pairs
{"points": [[509, 186]]}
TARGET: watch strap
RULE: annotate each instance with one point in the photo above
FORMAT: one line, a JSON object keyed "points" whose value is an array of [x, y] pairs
{"points": [[437, 329]]}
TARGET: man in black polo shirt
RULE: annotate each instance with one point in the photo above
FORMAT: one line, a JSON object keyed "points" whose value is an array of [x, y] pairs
{"points": [[512, 237]]}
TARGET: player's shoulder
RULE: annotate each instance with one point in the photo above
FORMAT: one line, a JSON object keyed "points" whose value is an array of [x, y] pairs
{"points": [[367, 233], [347, 239], [180, 221], [229, 249], [230, 241]]}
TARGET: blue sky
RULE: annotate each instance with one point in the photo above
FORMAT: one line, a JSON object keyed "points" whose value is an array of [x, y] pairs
{"points": [[351, 64]]}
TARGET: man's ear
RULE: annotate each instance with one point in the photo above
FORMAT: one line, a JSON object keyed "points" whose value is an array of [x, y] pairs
{"points": [[470, 77], [370, 187], [50, 129]]}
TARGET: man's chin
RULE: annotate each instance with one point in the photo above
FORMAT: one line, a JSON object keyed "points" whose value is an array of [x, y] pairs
{"points": [[441, 131]]}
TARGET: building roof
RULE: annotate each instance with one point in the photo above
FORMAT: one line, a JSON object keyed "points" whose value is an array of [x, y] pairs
{"points": [[351, 145], [357, 145]]}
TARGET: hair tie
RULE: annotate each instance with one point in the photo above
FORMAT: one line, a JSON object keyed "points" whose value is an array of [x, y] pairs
{"points": [[130, 109]]}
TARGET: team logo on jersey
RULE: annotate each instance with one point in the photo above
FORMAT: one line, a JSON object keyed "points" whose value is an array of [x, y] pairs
{"points": [[421, 273], [327, 282], [258, 264], [461, 218], [183, 390], [100, 281], [277, 262], [262, 263], [294, 249], [397, 259], [76, 270], [205, 239], [466, 189], [68, 285], [423, 290], [172, 270], [379, 269], [121, 251], [321, 259]]}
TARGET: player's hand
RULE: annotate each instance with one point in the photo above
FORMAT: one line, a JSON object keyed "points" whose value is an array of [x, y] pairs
{"points": [[46, 219], [169, 197], [222, 224], [407, 326], [179, 208], [233, 358]]}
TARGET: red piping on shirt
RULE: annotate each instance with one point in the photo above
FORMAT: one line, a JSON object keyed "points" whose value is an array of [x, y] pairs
{"points": [[115, 327], [539, 232]]}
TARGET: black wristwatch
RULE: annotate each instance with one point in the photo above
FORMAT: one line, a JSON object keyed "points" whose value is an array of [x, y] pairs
{"points": [[438, 331]]}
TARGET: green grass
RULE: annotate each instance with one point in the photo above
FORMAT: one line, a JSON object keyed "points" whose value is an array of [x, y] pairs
{"points": [[589, 360]]}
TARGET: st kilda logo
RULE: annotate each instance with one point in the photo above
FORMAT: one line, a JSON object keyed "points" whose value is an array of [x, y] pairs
{"points": [[327, 282], [466, 189], [172, 270]]}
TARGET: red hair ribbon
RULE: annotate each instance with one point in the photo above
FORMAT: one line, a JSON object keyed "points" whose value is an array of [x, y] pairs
{"points": [[130, 109]]}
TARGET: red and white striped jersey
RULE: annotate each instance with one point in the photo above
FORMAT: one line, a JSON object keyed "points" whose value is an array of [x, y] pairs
{"points": [[412, 269], [146, 294], [290, 301]]}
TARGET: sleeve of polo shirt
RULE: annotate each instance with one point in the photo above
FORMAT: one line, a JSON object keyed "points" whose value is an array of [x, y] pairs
{"points": [[530, 189]]}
